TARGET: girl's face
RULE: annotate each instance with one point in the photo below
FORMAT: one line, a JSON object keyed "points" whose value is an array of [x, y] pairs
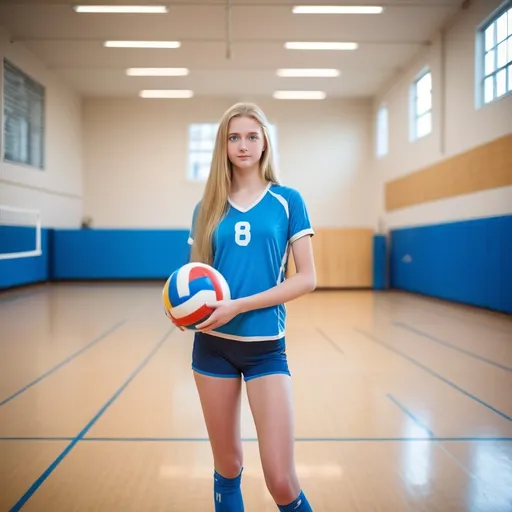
{"points": [[246, 142]]}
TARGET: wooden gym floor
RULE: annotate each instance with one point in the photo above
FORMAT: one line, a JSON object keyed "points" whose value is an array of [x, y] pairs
{"points": [[403, 403]]}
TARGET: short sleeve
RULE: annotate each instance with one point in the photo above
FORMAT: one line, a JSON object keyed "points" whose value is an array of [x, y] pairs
{"points": [[193, 226], [299, 224]]}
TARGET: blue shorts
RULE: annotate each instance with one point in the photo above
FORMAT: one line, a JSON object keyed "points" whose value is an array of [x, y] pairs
{"points": [[220, 357]]}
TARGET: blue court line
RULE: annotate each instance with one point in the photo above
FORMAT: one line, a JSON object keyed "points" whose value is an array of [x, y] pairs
{"points": [[63, 363], [452, 346], [300, 439], [254, 440], [35, 486], [494, 328], [411, 415], [432, 436], [332, 342], [433, 373]]}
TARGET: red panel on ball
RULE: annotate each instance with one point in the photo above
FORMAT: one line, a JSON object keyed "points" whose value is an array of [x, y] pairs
{"points": [[196, 272], [195, 317]]}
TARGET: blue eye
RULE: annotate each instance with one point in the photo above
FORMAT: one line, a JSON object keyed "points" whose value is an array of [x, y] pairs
{"points": [[233, 138]]}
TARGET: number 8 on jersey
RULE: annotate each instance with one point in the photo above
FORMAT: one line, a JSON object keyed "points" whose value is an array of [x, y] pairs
{"points": [[242, 233]]}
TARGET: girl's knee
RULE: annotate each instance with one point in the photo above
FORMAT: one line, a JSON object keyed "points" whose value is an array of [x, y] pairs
{"points": [[283, 487], [228, 466]]}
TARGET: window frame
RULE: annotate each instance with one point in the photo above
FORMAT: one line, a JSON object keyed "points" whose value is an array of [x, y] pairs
{"points": [[191, 174], [481, 52], [382, 139], [40, 164], [413, 105]]}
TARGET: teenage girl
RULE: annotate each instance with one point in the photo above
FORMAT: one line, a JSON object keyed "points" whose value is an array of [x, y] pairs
{"points": [[244, 226]]}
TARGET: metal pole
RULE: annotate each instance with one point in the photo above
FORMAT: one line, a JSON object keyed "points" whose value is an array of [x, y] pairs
{"points": [[228, 30]]}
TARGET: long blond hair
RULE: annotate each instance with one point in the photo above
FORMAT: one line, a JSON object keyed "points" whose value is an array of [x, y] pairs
{"points": [[215, 198]]}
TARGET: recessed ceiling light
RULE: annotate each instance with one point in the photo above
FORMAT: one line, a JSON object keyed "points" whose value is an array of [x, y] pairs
{"points": [[299, 95], [166, 93], [122, 9], [320, 46], [306, 73], [157, 71], [337, 9], [142, 44]]}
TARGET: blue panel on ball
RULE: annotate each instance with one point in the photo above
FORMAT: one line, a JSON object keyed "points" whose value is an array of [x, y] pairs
{"points": [[173, 290], [197, 285]]}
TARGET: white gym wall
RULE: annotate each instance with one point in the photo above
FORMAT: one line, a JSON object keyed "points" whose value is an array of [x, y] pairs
{"points": [[459, 123], [57, 190]]}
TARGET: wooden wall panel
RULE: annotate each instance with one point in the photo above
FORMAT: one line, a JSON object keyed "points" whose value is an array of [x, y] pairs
{"points": [[343, 258], [482, 168]]}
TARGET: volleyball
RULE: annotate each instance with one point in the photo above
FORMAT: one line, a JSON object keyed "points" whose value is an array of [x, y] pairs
{"points": [[189, 289]]}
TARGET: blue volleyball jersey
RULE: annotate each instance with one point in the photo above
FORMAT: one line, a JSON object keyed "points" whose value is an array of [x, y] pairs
{"points": [[251, 248]]}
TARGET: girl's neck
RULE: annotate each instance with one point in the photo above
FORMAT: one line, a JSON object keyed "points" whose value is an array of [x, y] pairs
{"points": [[247, 180]]}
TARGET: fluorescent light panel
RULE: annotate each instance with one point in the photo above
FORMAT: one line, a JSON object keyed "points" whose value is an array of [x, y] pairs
{"points": [[157, 71], [142, 44], [320, 46], [299, 95], [122, 9], [337, 9], [308, 73], [166, 93]]}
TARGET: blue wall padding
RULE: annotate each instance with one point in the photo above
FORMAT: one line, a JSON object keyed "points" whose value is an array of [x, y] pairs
{"points": [[379, 262], [23, 271], [467, 261], [118, 253], [17, 239]]}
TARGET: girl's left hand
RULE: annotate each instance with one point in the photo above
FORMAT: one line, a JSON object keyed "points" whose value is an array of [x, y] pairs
{"points": [[225, 310]]}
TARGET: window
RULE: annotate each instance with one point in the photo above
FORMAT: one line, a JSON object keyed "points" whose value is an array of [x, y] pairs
{"points": [[24, 112], [201, 138], [496, 63], [382, 132], [421, 99]]}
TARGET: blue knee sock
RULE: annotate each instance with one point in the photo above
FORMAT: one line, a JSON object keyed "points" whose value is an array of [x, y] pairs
{"points": [[227, 493], [301, 504]]}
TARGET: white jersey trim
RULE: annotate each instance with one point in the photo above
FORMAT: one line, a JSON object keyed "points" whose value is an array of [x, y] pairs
{"points": [[255, 203], [300, 234], [246, 338], [283, 201]]}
